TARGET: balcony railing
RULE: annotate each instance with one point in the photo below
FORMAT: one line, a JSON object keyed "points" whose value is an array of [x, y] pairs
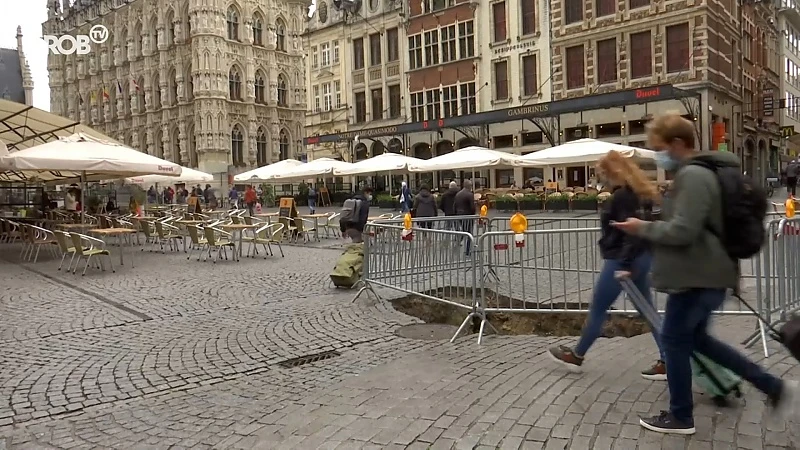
{"points": [[358, 77]]}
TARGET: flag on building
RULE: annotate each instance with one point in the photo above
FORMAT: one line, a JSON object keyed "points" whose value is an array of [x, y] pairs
{"points": [[91, 96], [105, 93], [119, 87], [135, 85]]}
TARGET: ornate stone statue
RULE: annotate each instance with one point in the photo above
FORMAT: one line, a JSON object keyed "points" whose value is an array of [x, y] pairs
{"points": [[80, 67], [69, 72], [251, 89], [296, 43], [131, 50], [92, 64], [117, 55], [120, 107], [178, 32], [135, 139], [146, 44], [104, 58], [135, 102], [148, 99], [180, 90], [106, 111], [274, 89], [83, 115], [165, 100], [149, 137], [273, 36]]}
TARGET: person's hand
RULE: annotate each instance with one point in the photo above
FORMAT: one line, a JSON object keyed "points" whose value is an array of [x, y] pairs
{"points": [[631, 226], [622, 274]]}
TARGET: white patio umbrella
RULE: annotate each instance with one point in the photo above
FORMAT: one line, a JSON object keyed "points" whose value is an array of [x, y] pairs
{"points": [[582, 151], [465, 158], [266, 172], [313, 169], [187, 176], [384, 163]]}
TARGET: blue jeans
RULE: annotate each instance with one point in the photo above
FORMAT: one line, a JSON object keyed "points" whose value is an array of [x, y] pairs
{"points": [[312, 204], [606, 291], [685, 330]]}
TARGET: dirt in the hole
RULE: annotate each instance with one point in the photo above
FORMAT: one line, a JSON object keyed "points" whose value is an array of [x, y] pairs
{"points": [[537, 323]]}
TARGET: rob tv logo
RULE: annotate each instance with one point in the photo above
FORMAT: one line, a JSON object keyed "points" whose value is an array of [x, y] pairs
{"points": [[80, 44]]}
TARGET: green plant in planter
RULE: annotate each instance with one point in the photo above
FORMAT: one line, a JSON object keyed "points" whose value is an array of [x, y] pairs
{"points": [[585, 203], [93, 204], [385, 201], [531, 202], [505, 203], [557, 203], [267, 196]]}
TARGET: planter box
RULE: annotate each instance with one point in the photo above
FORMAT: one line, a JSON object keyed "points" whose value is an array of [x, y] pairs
{"points": [[531, 205], [505, 205], [584, 205], [557, 205], [387, 204]]}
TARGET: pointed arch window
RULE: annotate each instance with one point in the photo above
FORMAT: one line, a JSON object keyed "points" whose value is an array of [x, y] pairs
{"points": [[261, 89], [173, 88], [282, 91], [176, 148], [284, 145], [261, 148], [233, 24], [237, 146], [281, 44], [258, 30], [234, 84]]}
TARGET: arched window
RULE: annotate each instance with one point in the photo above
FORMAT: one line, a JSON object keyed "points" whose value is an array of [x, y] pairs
{"points": [[192, 147], [237, 146], [170, 37], [233, 24], [261, 148], [261, 89], [176, 148], [139, 43], [282, 91], [173, 88], [234, 84], [156, 100], [158, 146], [258, 30], [284, 145], [281, 36], [189, 91], [140, 95]]}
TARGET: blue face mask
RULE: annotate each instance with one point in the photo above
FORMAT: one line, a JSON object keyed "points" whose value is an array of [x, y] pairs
{"points": [[665, 161]]}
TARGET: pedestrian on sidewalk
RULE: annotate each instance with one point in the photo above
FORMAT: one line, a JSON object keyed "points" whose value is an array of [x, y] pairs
{"points": [[624, 255], [693, 266], [792, 170]]}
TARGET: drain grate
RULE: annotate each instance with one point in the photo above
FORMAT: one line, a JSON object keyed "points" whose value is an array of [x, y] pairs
{"points": [[307, 359]]}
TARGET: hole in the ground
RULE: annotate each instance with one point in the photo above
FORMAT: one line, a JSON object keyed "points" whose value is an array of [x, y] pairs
{"points": [[542, 323], [427, 331], [307, 359]]}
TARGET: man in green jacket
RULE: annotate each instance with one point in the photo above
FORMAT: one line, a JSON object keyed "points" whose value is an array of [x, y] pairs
{"points": [[692, 266]]}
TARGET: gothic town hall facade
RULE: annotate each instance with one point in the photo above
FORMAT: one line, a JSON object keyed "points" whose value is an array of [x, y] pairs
{"points": [[210, 84]]}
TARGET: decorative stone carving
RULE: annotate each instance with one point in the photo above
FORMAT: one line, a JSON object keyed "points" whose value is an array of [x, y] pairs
{"points": [[296, 43], [81, 68], [83, 115], [120, 108], [274, 93], [135, 140], [134, 102], [251, 89], [106, 111], [178, 31], [149, 136], [146, 50], [70, 76], [148, 100], [92, 64], [131, 49], [165, 100], [104, 58], [272, 36], [180, 90], [117, 55]]}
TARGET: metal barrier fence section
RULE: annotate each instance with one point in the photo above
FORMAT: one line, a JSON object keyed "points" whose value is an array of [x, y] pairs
{"points": [[553, 269]]}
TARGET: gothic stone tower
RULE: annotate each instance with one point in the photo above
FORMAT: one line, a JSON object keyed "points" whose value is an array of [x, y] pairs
{"points": [[212, 84]]}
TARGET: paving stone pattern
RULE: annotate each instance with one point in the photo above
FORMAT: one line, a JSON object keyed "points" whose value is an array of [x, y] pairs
{"points": [[185, 354]]}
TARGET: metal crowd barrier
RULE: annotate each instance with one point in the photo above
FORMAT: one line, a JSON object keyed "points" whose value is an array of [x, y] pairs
{"points": [[457, 263]]}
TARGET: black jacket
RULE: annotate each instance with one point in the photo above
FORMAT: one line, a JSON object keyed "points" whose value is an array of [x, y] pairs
{"points": [[614, 243], [449, 202], [425, 204], [363, 215], [464, 203]]}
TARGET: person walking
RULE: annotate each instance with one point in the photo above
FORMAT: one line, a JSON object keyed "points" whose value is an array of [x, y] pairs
{"points": [[448, 205], [406, 198], [792, 170], [425, 206], [354, 220], [692, 265], [312, 199], [250, 200], [464, 205], [623, 256], [233, 197]]}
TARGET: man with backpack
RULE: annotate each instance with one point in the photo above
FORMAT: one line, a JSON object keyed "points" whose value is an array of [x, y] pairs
{"points": [[354, 216], [792, 170], [714, 218]]}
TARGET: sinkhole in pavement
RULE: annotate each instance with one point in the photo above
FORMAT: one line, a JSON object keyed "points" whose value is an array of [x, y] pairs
{"points": [[540, 323]]}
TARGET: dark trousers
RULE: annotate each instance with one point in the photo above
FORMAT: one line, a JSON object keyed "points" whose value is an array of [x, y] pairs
{"points": [[465, 226], [685, 330], [791, 184]]}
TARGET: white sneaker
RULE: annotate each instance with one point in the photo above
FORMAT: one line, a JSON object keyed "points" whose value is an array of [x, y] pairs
{"points": [[787, 405]]}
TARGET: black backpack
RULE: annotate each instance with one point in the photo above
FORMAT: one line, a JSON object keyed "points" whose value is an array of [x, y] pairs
{"points": [[744, 210]]}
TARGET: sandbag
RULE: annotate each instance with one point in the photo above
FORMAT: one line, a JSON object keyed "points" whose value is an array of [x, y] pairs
{"points": [[347, 271]]}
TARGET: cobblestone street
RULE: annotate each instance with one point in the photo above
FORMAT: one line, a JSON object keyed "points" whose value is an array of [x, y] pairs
{"points": [[186, 354]]}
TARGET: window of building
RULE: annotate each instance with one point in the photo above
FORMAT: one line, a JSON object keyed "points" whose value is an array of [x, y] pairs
{"points": [[448, 41], [576, 76], [395, 102], [281, 32], [641, 59], [501, 80], [258, 31], [261, 148], [466, 39], [633, 4], [325, 54], [499, 21], [314, 58], [433, 106], [392, 45], [431, 48], [607, 61], [235, 84], [678, 48], [377, 103], [284, 148], [261, 88], [468, 99], [327, 97], [747, 41], [233, 24], [528, 11], [450, 101], [361, 107], [317, 99], [417, 107], [605, 7], [573, 11], [530, 75], [283, 91], [237, 146], [358, 53], [415, 51], [337, 92], [375, 49], [335, 46]]}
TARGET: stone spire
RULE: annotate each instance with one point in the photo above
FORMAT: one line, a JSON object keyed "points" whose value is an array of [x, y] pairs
{"points": [[27, 78]]}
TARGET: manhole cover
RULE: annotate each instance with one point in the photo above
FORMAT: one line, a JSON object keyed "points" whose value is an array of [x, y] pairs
{"points": [[427, 331]]}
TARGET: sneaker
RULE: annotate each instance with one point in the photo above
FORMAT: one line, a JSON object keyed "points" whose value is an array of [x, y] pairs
{"points": [[666, 423], [566, 357], [656, 373], [786, 402]]}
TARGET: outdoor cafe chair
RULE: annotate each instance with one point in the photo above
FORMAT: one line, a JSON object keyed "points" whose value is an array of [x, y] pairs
{"points": [[167, 234], [10, 231], [265, 237], [66, 246], [220, 241], [96, 248], [199, 242], [38, 237], [330, 225]]}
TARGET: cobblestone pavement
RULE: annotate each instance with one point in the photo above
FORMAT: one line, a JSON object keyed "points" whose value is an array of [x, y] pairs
{"points": [[186, 354]]}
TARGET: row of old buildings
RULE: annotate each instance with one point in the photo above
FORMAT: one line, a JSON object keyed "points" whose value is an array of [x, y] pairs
{"points": [[225, 86]]}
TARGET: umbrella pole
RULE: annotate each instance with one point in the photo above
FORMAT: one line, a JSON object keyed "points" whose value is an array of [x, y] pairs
{"points": [[83, 197]]}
